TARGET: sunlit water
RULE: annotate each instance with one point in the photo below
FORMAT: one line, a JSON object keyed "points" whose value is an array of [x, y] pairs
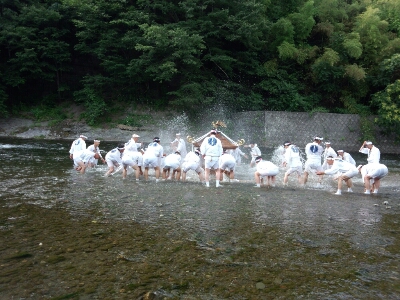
{"points": [[40, 173]]}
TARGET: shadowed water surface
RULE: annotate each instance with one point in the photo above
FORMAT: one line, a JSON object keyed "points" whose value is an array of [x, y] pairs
{"points": [[91, 237]]}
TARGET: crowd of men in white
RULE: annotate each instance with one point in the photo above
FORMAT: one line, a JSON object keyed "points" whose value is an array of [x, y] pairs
{"points": [[213, 157]]}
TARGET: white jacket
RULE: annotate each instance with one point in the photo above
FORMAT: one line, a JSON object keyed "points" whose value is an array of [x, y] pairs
{"points": [[292, 157], [211, 146], [77, 145], [314, 152], [374, 155]]}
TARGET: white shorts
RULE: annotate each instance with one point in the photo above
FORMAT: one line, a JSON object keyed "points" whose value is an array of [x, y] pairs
{"points": [[350, 174], [211, 162], [94, 161], [378, 174], [268, 172], [191, 166], [129, 162], [291, 170], [173, 167], [150, 162], [312, 166], [228, 166], [111, 163], [76, 161]]}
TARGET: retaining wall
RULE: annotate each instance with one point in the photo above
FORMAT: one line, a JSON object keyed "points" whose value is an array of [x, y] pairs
{"points": [[272, 128]]}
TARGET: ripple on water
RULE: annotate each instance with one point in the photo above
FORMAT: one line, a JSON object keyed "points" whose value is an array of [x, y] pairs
{"points": [[305, 230]]}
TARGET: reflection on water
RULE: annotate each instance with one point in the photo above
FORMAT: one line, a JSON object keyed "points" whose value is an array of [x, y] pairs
{"points": [[296, 225]]}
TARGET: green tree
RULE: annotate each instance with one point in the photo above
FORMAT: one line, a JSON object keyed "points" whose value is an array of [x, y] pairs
{"points": [[32, 37]]}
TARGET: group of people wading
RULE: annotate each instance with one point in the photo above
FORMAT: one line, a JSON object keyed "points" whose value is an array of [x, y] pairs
{"points": [[211, 157]]}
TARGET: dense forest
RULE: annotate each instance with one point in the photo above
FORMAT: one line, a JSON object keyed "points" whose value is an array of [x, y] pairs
{"points": [[338, 56]]}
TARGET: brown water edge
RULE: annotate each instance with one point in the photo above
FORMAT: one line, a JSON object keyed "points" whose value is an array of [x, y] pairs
{"points": [[51, 254]]}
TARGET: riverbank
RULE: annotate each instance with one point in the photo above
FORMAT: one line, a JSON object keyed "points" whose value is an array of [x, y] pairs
{"points": [[146, 123]]}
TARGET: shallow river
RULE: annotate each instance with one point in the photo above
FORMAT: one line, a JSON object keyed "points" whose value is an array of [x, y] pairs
{"points": [[69, 236]]}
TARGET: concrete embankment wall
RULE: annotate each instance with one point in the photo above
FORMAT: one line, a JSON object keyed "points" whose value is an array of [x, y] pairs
{"points": [[272, 128]]}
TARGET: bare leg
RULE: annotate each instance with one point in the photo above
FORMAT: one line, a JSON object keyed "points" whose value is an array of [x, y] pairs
{"points": [[183, 176], [257, 177], [137, 172], [377, 184], [349, 183], [124, 171], [207, 175], [201, 176], [178, 174], [82, 167], [305, 177], [286, 178], [217, 173], [157, 169], [366, 183], [110, 170], [221, 174], [164, 173], [146, 173]]}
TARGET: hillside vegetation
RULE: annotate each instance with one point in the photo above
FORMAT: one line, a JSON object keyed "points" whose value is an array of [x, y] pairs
{"points": [[338, 56]]}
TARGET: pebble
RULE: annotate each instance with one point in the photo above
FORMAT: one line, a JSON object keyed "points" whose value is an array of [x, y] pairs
{"points": [[260, 286]]}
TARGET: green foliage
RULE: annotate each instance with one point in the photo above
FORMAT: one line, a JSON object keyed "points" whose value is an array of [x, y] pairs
{"points": [[48, 113], [330, 57], [388, 102], [287, 50], [95, 106], [353, 45], [355, 72], [135, 120], [292, 55], [3, 108]]}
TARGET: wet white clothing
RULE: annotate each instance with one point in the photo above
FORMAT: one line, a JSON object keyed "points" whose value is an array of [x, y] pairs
{"points": [[237, 154], [329, 152], [156, 149], [292, 157], [374, 154], [313, 152], [113, 157], [347, 157], [267, 168], [211, 162], [132, 146], [172, 161], [254, 152], [153, 155], [83, 156], [343, 168], [180, 146], [191, 162], [94, 150], [227, 162], [130, 158], [374, 170], [211, 147], [77, 145]]}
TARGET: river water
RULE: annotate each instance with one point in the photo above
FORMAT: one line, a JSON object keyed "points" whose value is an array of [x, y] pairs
{"points": [[71, 236]]}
